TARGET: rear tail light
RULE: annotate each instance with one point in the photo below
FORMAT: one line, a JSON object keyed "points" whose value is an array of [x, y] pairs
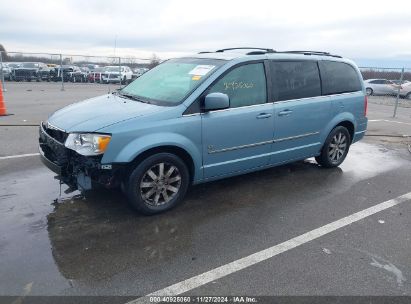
{"points": [[365, 105]]}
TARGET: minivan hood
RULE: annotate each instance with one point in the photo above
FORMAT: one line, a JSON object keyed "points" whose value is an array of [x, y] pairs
{"points": [[96, 113]]}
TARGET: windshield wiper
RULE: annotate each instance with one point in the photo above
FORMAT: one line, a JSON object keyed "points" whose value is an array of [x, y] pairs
{"points": [[130, 96]]}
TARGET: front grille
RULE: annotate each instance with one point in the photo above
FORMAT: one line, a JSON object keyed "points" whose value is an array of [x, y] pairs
{"points": [[113, 76], [53, 150], [23, 72], [58, 135]]}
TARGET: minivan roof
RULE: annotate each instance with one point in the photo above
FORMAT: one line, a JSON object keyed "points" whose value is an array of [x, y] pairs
{"points": [[255, 55]]}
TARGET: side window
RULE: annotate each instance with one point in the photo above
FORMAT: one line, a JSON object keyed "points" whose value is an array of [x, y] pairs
{"points": [[338, 77], [245, 85], [295, 79]]}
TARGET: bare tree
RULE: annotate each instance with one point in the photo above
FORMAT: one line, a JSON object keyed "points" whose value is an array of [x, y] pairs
{"points": [[154, 61], [3, 52]]}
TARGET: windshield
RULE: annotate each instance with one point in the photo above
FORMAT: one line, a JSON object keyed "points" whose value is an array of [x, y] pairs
{"points": [[170, 82], [112, 69], [30, 65]]}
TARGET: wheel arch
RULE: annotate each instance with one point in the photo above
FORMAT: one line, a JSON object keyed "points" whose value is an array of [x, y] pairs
{"points": [[349, 126], [345, 119], [178, 151]]}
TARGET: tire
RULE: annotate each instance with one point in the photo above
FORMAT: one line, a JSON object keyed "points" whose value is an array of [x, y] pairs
{"points": [[148, 193], [338, 140], [369, 91], [408, 96]]}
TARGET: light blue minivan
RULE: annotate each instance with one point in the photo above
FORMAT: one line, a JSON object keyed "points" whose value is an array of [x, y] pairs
{"points": [[205, 117]]}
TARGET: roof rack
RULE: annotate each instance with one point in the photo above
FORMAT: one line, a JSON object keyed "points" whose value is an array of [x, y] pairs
{"points": [[247, 48], [311, 53], [262, 51]]}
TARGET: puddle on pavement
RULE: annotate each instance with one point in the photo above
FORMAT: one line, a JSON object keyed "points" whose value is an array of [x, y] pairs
{"points": [[366, 160], [95, 238]]}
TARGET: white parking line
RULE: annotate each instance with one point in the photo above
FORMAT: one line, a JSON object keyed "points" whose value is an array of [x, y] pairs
{"points": [[240, 264], [18, 156], [385, 120]]}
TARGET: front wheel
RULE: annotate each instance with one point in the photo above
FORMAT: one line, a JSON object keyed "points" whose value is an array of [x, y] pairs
{"points": [[335, 148], [158, 183], [369, 91]]}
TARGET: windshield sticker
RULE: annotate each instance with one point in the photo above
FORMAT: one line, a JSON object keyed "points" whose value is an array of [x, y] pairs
{"points": [[201, 70], [196, 77]]}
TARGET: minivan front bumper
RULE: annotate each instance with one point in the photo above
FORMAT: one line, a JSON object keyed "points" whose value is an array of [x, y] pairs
{"points": [[77, 171]]}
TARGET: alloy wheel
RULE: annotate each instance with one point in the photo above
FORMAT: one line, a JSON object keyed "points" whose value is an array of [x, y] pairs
{"points": [[160, 184], [337, 147]]}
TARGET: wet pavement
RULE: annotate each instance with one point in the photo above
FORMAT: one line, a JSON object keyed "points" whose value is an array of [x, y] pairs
{"points": [[71, 245]]}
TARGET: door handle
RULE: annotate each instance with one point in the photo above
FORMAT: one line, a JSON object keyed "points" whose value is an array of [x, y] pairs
{"points": [[264, 115], [285, 113]]}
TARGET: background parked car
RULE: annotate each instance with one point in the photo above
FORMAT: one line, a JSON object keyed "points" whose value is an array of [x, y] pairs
{"points": [[138, 72], [399, 82], [85, 71], [63, 72], [405, 90], [77, 74], [380, 87], [112, 75], [95, 75], [12, 66], [6, 71], [32, 71]]}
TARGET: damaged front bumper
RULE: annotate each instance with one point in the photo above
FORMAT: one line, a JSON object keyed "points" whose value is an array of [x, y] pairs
{"points": [[77, 171]]}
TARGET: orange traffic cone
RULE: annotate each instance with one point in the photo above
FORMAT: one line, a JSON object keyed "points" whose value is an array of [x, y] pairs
{"points": [[2, 104]]}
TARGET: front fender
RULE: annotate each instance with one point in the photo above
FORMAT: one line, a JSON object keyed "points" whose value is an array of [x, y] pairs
{"points": [[143, 143], [340, 117]]}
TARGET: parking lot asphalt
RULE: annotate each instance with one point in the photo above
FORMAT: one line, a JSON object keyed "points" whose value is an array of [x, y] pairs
{"points": [[52, 244]]}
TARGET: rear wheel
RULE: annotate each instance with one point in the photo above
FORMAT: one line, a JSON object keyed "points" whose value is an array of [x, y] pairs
{"points": [[158, 183], [369, 91], [335, 148], [408, 96]]}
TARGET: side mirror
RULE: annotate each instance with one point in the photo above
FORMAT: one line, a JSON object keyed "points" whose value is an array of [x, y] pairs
{"points": [[216, 101]]}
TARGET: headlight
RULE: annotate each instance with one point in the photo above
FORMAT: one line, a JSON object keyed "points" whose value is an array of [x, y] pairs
{"points": [[88, 144]]}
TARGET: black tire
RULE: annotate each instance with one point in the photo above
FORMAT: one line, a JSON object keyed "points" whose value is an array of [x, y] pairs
{"points": [[140, 175], [338, 140], [408, 96], [369, 91]]}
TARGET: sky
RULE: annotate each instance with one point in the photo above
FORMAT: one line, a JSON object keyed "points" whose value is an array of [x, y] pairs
{"points": [[367, 31]]}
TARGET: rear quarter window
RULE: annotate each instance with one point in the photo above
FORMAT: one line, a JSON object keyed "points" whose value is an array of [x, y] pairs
{"points": [[295, 79], [338, 77]]}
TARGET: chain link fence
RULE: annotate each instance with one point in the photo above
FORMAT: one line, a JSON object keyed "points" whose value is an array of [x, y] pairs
{"points": [[388, 86], [63, 68]]}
